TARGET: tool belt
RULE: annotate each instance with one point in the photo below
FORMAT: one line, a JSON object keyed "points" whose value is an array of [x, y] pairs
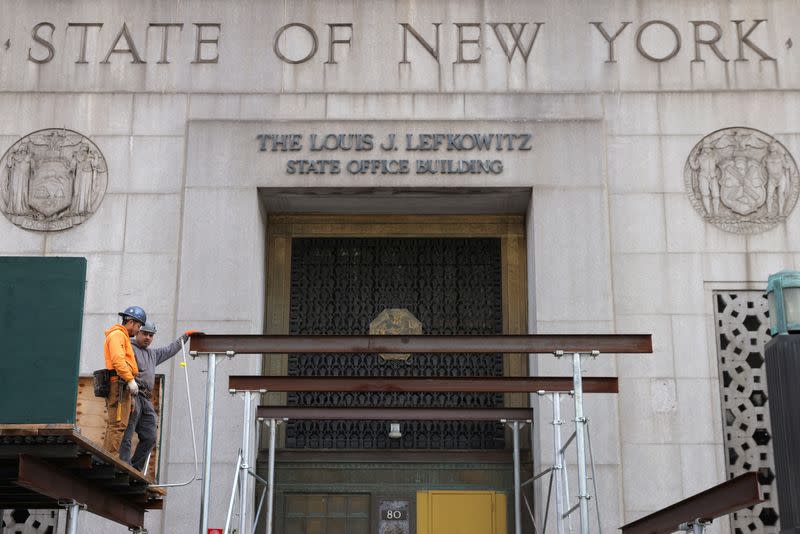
{"points": [[145, 391], [102, 381]]}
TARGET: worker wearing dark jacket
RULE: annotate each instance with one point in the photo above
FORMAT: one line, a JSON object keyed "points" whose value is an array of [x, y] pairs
{"points": [[143, 415]]}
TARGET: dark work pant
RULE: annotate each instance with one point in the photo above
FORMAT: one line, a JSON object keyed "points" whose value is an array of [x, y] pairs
{"points": [[142, 421]]}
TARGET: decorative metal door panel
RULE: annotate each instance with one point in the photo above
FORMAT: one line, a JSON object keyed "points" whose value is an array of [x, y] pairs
{"points": [[23, 521], [451, 285], [742, 319]]}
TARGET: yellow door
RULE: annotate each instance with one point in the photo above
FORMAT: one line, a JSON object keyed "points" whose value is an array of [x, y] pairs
{"points": [[461, 512]]}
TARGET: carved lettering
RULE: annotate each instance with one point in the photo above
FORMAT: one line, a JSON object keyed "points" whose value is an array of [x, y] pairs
{"points": [[332, 40], [516, 36], [675, 49], [85, 25], [200, 40], [378, 166], [126, 34], [311, 52], [313, 166], [434, 52], [463, 41], [164, 59], [610, 38], [51, 50], [341, 142], [711, 43], [744, 39], [279, 142], [328, 145]]}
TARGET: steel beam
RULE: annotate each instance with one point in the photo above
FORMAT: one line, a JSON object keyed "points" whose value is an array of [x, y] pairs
{"points": [[510, 384], [45, 479], [720, 500], [532, 343], [396, 414]]}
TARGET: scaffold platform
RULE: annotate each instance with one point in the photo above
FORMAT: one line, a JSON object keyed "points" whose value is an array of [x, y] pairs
{"points": [[54, 466]]}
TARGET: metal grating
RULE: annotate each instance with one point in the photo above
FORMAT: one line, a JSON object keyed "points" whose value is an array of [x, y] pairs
{"points": [[742, 320], [451, 285]]}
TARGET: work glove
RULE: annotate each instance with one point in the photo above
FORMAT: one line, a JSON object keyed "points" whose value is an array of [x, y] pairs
{"points": [[133, 387], [190, 332]]}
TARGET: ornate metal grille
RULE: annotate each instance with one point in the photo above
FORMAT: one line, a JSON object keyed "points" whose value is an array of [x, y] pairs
{"points": [[338, 286], [22, 521], [742, 320]]}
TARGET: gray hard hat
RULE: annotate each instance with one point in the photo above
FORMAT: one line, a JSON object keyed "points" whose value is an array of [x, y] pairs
{"points": [[149, 327]]}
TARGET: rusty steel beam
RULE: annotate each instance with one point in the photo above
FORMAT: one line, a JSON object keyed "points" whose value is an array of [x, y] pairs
{"points": [[720, 500], [396, 414], [46, 479], [533, 343], [509, 384]]}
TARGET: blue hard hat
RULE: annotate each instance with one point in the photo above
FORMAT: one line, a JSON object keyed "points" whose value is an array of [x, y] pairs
{"points": [[134, 312]]}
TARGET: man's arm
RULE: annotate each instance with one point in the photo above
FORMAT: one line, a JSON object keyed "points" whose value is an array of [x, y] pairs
{"points": [[116, 351], [163, 354]]}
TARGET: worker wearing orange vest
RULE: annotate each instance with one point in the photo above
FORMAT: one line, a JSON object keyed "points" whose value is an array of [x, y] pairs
{"points": [[121, 361]]}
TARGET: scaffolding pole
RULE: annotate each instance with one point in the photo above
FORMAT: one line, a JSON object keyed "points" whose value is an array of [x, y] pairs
{"points": [[580, 447], [209, 429], [558, 462], [563, 507], [211, 378], [517, 482], [244, 480], [273, 423], [73, 511]]}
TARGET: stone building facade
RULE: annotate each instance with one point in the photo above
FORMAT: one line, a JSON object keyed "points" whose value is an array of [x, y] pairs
{"points": [[646, 150]]}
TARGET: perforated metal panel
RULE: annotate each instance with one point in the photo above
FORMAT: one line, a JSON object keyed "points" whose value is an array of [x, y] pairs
{"points": [[22, 521], [742, 319], [453, 286]]}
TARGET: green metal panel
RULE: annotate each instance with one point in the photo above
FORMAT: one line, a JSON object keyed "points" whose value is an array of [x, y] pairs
{"points": [[41, 310]]}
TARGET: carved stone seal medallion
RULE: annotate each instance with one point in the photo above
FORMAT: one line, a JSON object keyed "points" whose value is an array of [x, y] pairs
{"points": [[394, 322], [741, 180], [52, 180]]}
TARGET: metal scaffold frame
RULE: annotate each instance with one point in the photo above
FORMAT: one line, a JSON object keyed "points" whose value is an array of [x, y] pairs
{"points": [[53, 465], [212, 346], [558, 470], [275, 415]]}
